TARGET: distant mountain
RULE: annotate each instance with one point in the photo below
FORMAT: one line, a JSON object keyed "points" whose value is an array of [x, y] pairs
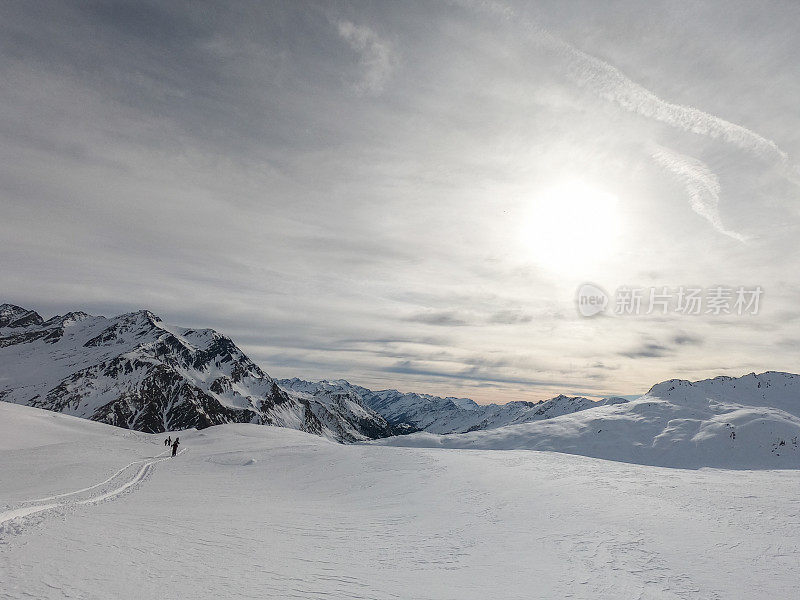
{"points": [[137, 372], [750, 422], [409, 412]]}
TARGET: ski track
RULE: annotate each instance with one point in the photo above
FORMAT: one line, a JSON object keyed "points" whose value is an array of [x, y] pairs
{"points": [[35, 507], [97, 485]]}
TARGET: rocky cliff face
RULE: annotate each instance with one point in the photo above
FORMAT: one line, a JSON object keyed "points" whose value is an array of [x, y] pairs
{"points": [[136, 371]]}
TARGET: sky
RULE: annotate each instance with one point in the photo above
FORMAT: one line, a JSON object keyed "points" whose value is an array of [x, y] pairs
{"points": [[410, 195]]}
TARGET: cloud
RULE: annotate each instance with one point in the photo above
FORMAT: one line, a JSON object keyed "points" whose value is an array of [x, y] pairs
{"points": [[510, 317], [646, 350], [611, 84], [441, 318], [452, 318], [377, 56], [685, 339], [493, 7], [604, 366], [472, 374], [650, 348], [700, 183]]}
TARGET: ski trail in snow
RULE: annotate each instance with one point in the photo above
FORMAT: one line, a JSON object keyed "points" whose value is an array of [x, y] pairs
{"points": [[96, 485], [23, 512], [143, 471]]}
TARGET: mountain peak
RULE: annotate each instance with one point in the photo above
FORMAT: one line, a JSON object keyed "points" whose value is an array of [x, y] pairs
{"points": [[722, 381], [137, 372], [12, 315], [143, 313]]}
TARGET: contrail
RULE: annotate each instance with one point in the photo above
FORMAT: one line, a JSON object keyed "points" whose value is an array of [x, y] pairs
{"points": [[700, 183], [608, 82], [611, 84]]}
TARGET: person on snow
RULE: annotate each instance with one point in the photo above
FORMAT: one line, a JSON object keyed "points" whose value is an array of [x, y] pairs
{"points": [[168, 441], [175, 446]]}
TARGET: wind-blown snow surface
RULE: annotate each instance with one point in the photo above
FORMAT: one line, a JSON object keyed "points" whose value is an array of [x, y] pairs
{"points": [[750, 422], [249, 511]]}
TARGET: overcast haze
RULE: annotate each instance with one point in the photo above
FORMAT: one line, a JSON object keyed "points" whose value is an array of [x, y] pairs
{"points": [[408, 195]]}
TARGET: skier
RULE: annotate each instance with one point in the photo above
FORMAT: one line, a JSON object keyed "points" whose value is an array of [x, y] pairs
{"points": [[168, 441], [175, 446]]}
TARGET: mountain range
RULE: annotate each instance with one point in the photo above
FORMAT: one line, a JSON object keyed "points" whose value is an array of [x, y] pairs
{"points": [[410, 412], [749, 422], [137, 372]]}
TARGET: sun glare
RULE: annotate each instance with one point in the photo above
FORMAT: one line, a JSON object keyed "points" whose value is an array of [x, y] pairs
{"points": [[572, 228]]}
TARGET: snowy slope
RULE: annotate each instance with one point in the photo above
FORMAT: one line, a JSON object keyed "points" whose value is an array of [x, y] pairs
{"points": [[263, 512], [750, 422], [137, 372], [423, 412]]}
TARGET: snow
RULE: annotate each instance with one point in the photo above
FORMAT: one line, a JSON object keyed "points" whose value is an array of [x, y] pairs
{"points": [[750, 422], [251, 511], [410, 411], [465, 403], [24, 428]]}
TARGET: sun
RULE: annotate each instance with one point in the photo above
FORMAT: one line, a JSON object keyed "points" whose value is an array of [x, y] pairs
{"points": [[572, 228]]}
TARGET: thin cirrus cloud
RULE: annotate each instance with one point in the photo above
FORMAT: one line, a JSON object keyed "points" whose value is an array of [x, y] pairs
{"points": [[377, 56]]}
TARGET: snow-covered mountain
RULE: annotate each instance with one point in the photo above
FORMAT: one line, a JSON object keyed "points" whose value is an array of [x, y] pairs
{"points": [[411, 412], [137, 372], [745, 422]]}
